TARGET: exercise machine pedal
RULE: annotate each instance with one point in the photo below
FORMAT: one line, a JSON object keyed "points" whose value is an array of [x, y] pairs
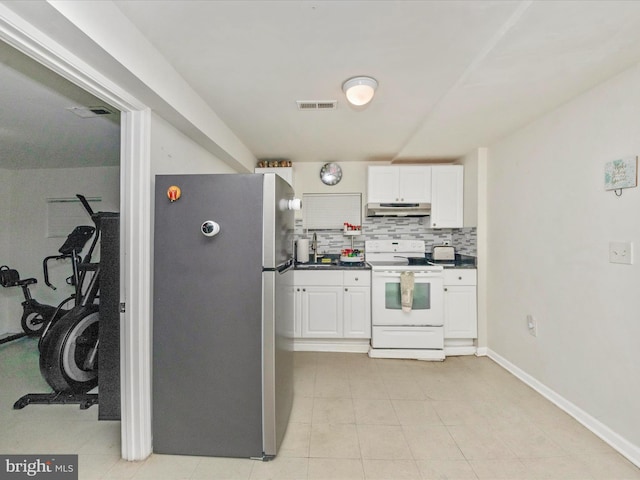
{"points": [[85, 400]]}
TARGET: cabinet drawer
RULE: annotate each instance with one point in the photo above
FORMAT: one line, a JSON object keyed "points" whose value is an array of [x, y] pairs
{"points": [[330, 278], [407, 337], [357, 278], [460, 276]]}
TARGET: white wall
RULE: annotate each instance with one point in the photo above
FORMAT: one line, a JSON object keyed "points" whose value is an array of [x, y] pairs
{"points": [[475, 213], [26, 245], [306, 179], [174, 152], [549, 226], [470, 163]]}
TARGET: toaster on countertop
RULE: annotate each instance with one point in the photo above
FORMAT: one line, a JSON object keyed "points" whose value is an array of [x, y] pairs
{"points": [[443, 252]]}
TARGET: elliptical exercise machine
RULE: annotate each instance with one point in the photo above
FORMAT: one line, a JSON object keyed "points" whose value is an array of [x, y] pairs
{"points": [[69, 342]]}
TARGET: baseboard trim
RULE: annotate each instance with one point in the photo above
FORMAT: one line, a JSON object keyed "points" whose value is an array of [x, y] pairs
{"points": [[482, 351], [627, 449]]}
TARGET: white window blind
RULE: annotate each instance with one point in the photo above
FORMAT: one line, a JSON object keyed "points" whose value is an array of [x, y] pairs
{"points": [[327, 211], [65, 214]]}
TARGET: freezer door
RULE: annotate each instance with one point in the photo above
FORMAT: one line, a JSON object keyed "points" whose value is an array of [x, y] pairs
{"points": [[278, 221]]}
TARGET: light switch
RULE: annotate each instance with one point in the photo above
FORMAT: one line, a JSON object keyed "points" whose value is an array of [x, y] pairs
{"points": [[621, 252]]}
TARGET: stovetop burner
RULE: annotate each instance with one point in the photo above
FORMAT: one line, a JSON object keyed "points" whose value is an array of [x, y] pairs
{"points": [[415, 260]]}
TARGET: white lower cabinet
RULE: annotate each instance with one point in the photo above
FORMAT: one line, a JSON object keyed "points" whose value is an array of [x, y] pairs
{"points": [[321, 309], [332, 304], [357, 304], [460, 304]]}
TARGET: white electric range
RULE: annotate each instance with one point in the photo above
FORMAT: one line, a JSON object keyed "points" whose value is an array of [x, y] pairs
{"points": [[396, 333]]}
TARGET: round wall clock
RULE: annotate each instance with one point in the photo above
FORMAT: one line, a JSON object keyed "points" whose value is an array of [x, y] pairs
{"points": [[330, 173]]}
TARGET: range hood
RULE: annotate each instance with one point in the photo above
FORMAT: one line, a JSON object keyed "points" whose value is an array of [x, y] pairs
{"points": [[398, 209]]}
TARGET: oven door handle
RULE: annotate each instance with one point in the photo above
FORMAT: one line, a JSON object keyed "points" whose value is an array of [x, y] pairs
{"points": [[415, 274]]}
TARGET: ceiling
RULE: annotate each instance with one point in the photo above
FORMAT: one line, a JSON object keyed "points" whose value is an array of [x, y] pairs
{"points": [[36, 128], [453, 75]]}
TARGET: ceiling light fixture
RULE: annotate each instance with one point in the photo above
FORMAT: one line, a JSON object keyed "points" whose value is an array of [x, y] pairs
{"points": [[360, 90]]}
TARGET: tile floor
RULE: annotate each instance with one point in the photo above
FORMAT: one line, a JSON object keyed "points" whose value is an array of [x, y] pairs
{"points": [[353, 418]]}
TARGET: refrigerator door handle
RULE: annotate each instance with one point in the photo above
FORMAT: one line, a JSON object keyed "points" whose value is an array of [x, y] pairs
{"points": [[285, 267]]}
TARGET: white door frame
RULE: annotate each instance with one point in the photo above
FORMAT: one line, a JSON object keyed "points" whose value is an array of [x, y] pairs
{"points": [[135, 223]]}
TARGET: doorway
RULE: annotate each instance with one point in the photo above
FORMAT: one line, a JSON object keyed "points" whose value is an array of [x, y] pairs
{"points": [[135, 226]]}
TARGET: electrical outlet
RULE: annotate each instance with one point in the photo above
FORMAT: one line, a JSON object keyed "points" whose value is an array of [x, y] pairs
{"points": [[621, 252], [532, 325]]}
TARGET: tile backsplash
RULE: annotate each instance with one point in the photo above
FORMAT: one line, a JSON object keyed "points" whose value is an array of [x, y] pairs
{"points": [[383, 228]]}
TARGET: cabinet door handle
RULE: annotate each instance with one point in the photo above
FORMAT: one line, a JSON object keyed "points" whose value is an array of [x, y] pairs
{"points": [[459, 278], [346, 289], [446, 290], [304, 289]]}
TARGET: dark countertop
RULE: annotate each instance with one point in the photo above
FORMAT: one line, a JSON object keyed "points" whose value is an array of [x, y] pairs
{"points": [[333, 264], [461, 261]]}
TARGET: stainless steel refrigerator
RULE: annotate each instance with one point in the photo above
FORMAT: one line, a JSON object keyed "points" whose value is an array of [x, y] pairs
{"points": [[222, 314]]}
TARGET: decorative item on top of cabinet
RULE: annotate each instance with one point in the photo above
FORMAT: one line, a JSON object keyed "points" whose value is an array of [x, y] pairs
{"points": [[274, 163]]}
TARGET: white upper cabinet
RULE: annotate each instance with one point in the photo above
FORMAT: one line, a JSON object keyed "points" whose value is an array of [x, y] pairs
{"points": [[406, 184], [383, 184], [447, 184]]}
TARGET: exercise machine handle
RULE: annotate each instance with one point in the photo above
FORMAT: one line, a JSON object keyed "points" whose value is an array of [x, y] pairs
{"points": [[45, 268], [85, 204]]}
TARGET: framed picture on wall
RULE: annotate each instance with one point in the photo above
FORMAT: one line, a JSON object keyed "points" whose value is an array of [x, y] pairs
{"points": [[621, 173]]}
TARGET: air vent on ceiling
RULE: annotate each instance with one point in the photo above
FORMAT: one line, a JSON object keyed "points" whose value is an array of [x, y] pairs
{"points": [[90, 112], [317, 104]]}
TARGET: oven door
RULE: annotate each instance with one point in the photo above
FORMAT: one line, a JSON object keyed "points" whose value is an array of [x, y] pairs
{"points": [[428, 299]]}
